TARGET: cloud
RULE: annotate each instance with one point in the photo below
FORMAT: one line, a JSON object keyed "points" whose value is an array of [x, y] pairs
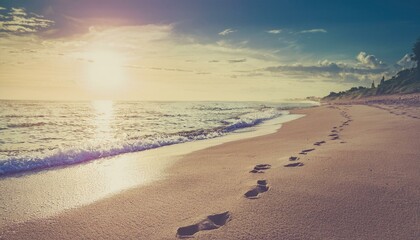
{"points": [[227, 31], [274, 31], [323, 67], [237, 60], [232, 43], [158, 68], [370, 61], [18, 12], [316, 30], [20, 21], [248, 74], [299, 68], [330, 71], [406, 62], [171, 69]]}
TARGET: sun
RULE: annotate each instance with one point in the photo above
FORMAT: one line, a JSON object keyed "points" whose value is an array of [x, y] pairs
{"points": [[105, 74]]}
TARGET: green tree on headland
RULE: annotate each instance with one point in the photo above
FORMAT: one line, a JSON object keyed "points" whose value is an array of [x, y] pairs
{"points": [[382, 80]]}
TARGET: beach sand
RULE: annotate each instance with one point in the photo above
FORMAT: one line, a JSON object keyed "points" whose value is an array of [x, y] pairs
{"points": [[362, 183]]}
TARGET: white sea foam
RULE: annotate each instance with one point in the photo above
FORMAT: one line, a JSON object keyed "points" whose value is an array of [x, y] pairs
{"points": [[79, 132]]}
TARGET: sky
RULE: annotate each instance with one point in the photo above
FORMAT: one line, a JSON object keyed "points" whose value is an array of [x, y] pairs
{"points": [[214, 50]]}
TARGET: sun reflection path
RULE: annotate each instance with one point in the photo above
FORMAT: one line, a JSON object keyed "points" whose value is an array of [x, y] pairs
{"points": [[104, 115], [119, 172]]}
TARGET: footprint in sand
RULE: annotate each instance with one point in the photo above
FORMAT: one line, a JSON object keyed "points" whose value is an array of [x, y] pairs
{"points": [[255, 191], [209, 223], [296, 164], [259, 168], [319, 143], [304, 152], [335, 137]]}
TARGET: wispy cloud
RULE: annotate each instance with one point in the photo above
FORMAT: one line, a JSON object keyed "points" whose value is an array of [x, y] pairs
{"points": [[227, 31], [17, 20], [274, 31], [237, 60], [316, 30], [365, 69], [324, 66], [18, 12]]}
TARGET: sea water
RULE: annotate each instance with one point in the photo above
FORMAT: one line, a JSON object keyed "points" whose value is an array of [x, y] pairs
{"points": [[38, 135]]}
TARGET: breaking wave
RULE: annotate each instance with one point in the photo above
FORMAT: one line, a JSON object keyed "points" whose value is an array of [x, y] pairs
{"points": [[92, 151]]}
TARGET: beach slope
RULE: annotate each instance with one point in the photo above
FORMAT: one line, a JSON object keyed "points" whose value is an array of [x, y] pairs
{"points": [[340, 172]]}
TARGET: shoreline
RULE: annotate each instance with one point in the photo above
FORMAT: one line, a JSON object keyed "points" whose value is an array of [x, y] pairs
{"points": [[352, 187], [103, 178], [21, 166]]}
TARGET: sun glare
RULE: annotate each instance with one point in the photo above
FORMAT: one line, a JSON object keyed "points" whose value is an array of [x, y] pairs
{"points": [[105, 75]]}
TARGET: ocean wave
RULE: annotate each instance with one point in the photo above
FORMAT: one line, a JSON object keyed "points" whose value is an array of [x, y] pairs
{"points": [[92, 151], [22, 116], [22, 125]]}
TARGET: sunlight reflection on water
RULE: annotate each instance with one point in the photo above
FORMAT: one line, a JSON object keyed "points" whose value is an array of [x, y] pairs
{"points": [[50, 192], [102, 121]]}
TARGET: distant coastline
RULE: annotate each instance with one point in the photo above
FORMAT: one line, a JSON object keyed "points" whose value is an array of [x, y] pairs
{"points": [[406, 81], [412, 99]]}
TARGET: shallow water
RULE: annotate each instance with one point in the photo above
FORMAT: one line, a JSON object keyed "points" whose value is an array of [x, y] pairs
{"points": [[46, 193], [40, 135]]}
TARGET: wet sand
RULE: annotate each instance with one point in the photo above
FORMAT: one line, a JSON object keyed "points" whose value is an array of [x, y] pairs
{"points": [[340, 172]]}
